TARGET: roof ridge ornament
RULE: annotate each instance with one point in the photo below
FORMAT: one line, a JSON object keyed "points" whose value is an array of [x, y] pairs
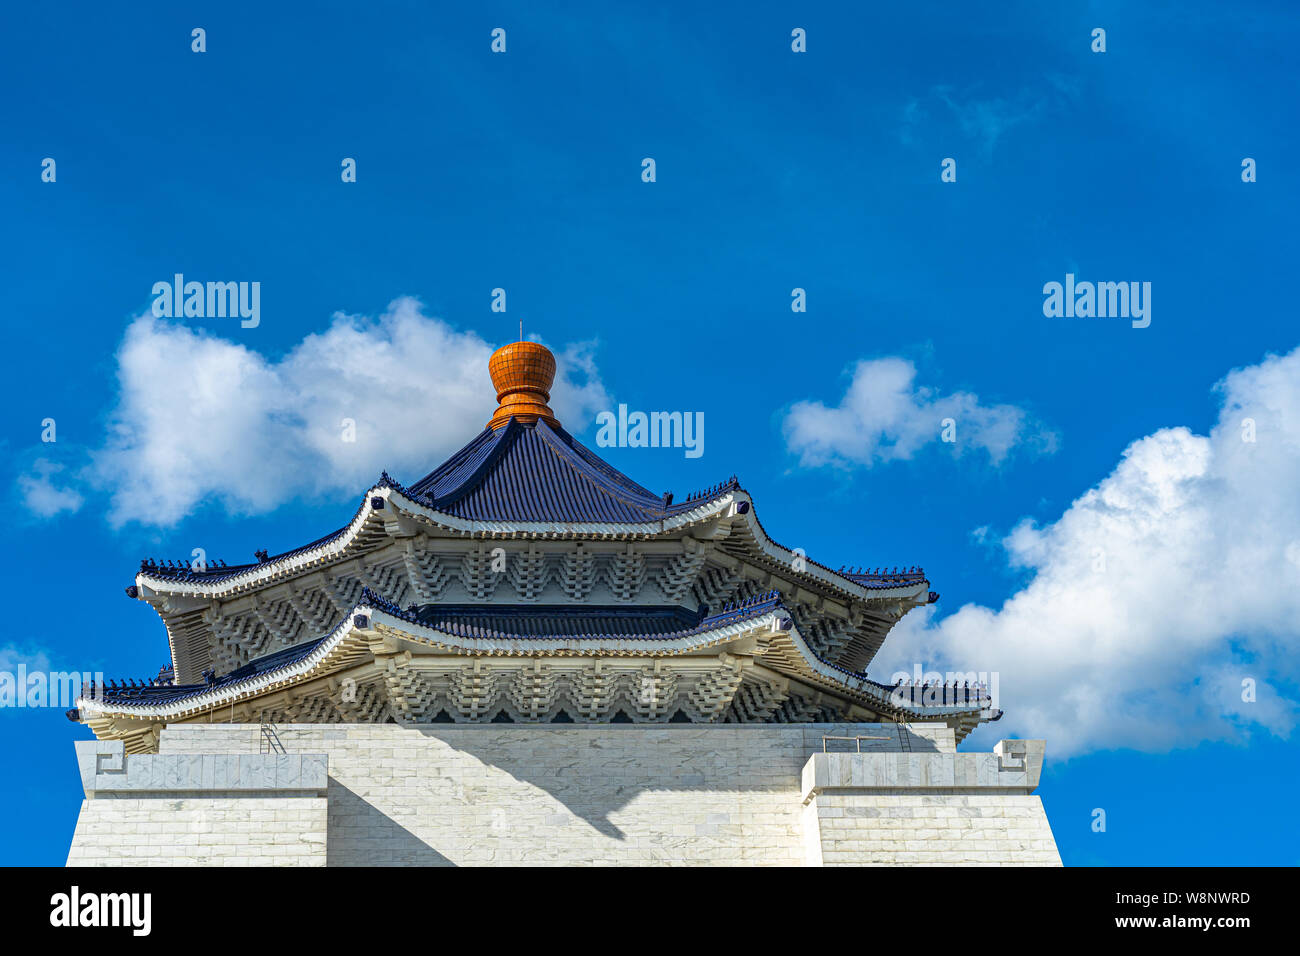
{"points": [[522, 373]]}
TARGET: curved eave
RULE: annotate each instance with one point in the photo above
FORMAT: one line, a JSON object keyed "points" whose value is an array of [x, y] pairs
{"points": [[340, 546], [347, 642], [347, 638]]}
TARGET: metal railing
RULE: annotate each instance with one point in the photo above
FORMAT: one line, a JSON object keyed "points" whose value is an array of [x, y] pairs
{"points": [[857, 740], [904, 739]]}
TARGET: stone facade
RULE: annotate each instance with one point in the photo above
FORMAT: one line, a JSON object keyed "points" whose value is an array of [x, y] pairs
{"points": [[563, 795], [200, 809], [929, 809]]}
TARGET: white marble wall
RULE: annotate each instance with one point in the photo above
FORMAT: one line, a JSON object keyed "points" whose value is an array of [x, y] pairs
{"points": [[931, 830], [217, 830], [520, 794], [928, 809], [199, 809]]}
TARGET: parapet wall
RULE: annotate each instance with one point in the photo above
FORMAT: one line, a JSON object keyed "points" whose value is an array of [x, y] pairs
{"points": [[201, 809], [551, 794], [975, 809]]}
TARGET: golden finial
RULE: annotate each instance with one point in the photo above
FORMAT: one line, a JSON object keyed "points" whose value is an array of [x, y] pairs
{"points": [[522, 373]]}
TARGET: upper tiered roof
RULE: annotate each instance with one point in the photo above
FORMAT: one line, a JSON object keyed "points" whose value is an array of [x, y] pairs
{"points": [[524, 471], [539, 472]]}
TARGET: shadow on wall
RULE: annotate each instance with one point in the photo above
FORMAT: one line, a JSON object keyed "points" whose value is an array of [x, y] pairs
{"points": [[360, 834], [596, 775]]}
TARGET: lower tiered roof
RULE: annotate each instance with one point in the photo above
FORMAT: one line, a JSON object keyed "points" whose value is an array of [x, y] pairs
{"points": [[476, 630]]}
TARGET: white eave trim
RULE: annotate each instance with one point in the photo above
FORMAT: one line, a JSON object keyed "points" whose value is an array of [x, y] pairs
{"points": [[319, 660], [339, 547]]}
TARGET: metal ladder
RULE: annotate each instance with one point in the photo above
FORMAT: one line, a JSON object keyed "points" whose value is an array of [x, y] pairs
{"points": [[904, 738], [270, 740]]}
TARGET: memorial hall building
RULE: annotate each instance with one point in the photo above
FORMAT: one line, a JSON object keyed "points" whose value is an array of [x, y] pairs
{"points": [[527, 658]]}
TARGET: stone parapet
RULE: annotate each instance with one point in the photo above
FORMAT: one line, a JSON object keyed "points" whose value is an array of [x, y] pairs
{"points": [[729, 794], [108, 771], [927, 808], [1013, 767]]}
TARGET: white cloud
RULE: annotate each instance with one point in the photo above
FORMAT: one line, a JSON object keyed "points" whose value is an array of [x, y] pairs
{"points": [[1154, 595], [42, 496], [885, 416], [13, 657], [201, 418]]}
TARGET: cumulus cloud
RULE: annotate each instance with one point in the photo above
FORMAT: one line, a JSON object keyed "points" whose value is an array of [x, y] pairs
{"points": [[1160, 601], [201, 418], [42, 495], [13, 657], [885, 416]]}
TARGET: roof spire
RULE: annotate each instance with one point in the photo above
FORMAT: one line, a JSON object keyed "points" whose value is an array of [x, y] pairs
{"points": [[522, 374]]}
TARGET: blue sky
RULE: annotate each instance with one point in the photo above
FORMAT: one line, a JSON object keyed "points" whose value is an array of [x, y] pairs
{"points": [[774, 171]]}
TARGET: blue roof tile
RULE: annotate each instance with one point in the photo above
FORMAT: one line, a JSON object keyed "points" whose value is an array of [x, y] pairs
{"points": [[537, 472]]}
